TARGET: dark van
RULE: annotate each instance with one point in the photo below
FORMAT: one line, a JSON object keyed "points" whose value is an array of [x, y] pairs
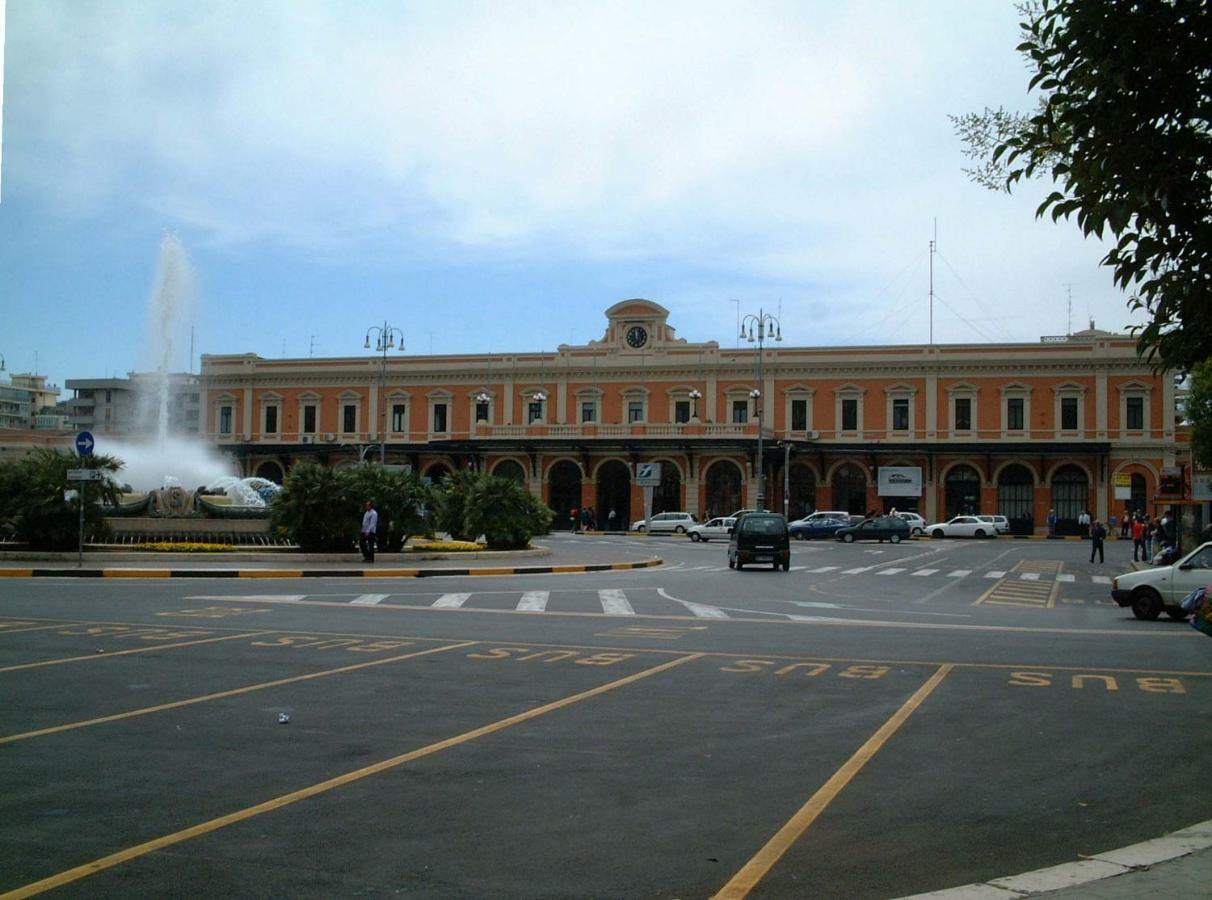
{"points": [[760, 537]]}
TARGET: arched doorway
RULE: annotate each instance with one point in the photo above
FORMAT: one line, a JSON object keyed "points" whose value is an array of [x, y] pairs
{"points": [[510, 469], [270, 471], [723, 488], [667, 496], [613, 493], [1016, 498], [801, 499], [1070, 496], [1139, 501], [850, 489], [962, 492], [564, 492], [437, 472]]}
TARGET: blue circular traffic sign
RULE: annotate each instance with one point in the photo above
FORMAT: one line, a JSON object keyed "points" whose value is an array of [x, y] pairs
{"points": [[85, 443]]}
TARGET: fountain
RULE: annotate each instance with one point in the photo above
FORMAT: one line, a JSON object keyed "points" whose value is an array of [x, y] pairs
{"points": [[163, 467]]}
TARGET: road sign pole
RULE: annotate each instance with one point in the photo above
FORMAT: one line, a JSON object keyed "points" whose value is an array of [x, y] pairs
{"points": [[80, 548]]}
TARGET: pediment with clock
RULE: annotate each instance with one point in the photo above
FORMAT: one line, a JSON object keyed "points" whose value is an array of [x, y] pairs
{"points": [[638, 326]]}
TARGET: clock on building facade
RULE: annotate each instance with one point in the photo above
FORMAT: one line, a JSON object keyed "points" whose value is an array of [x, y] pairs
{"points": [[637, 336]]}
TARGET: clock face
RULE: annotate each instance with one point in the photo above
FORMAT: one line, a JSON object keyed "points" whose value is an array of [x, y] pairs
{"points": [[637, 336]]}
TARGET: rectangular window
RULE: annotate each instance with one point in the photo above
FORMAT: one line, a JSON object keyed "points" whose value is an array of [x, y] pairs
{"points": [[681, 411], [740, 412], [1068, 413], [589, 411], [635, 410], [1014, 414], [963, 414], [900, 415], [224, 420], [439, 417], [1136, 413], [399, 417], [309, 419], [850, 415], [481, 411], [799, 415], [535, 413], [271, 420], [349, 418]]}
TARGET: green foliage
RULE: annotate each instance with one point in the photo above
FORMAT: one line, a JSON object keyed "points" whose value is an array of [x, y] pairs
{"points": [[504, 512], [1198, 410], [31, 497], [1122, 129], [320, 508], [450, 504]]}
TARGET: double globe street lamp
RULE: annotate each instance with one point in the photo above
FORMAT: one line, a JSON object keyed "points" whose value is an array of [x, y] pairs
{"points": [[758, 329], [385, 339]]}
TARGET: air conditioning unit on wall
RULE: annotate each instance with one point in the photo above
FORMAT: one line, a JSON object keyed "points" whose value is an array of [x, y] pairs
{"points": [[330, 437], [812, 435], [308, 439]]}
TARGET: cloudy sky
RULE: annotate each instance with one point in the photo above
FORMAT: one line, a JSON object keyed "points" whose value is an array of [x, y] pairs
{"points": [[493, 176]]}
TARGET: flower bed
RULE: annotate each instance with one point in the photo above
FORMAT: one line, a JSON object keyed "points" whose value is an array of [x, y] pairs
{"points": [[446, 546], [184, 547]]}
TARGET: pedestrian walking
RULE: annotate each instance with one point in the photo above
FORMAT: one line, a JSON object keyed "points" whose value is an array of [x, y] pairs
{"points": [[370, 529], [1125, 527], [1052, 523], [1150, 533], [610, 517], [1097, 535], [1083, 521], [1138, 541], [574, 516]]}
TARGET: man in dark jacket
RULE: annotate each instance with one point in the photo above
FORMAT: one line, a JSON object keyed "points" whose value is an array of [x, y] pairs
{"points": [[1098, 533]]}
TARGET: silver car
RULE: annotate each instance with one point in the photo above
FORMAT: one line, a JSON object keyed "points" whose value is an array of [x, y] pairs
{"points": [[667, 523], [713, 528]]}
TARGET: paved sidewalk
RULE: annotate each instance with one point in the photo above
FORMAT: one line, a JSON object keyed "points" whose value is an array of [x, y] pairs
{"points": [[1177, 866]]}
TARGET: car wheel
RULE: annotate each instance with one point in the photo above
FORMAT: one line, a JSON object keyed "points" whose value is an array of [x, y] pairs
{"points": [[1146, 604], [848, 538], [679, 530], [695, 536], [979, 533], [919, 532], [731, 563], [938, 533], [739, 565], [896, 539], [640, 529]]}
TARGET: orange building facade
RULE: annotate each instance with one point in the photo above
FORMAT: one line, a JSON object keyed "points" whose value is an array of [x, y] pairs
{"points": [[1015, 429]]}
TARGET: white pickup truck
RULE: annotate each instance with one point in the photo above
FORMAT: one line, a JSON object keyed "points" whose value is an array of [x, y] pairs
{"points": [[1150, 591]]}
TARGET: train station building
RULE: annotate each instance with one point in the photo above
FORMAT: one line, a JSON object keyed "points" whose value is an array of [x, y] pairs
{"points": [[1070, 423]]}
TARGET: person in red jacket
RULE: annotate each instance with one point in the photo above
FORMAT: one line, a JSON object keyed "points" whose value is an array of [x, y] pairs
{"points": [[1138, 539]]}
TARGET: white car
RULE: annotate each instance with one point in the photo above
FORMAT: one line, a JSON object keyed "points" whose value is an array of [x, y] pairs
{"points": [[1150, 591], [667, 522], [713, 528], [917, 525], [961, 526], [1000, 523]]}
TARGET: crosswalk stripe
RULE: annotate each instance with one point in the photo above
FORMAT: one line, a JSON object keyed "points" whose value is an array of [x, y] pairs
{"points": [[858, 570], [889, 571], [1028, 576], [959, 573], [1066, 578], [614, 603], [451, 601], [824, 569], [922, 572], [1100, 579], [368, 599], [995, 574], [533, 601], [705, 612]]}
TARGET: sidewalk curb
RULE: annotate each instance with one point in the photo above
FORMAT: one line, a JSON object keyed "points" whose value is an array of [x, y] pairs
{"points": [[1135, 858], [327, 573]]}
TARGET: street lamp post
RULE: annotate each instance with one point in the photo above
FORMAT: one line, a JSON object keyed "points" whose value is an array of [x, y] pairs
{"points": [[756, 329], [385, 339], [695, 396]]}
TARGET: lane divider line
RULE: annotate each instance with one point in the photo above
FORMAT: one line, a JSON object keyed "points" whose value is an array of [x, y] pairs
{"points": [[114, 859], [330, 573], [763, 861], [93, 657]]}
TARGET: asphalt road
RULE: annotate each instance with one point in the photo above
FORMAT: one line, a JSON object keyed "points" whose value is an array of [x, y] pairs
{"points": [[878, 722]]}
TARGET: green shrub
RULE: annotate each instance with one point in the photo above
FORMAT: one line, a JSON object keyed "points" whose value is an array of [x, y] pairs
{"points": [[450, 504], [32, 504], [504, 512]]}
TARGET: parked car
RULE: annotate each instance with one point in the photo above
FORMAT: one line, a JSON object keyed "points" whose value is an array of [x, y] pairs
{"points": [[667, 522], [1151, 591], [812, 527], [917, 525], [719, 527], [961, 526], [1000, 524], [760, 537], [877, 528]]}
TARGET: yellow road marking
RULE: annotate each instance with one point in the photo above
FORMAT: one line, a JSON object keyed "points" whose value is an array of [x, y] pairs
{"points": [[753, 871], [491, 571], [136, 573], [168, 840], [270, 573], [15, 628], [108, 655], [177, 704], [16, 573]]}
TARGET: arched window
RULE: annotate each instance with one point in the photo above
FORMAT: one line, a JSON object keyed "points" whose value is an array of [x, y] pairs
{"points": [[802, 493], [962, 492], [1070, 496], [511, 469], [850, 489], [1140, 494], [564, 492], [723, 489], [1016, 498]]}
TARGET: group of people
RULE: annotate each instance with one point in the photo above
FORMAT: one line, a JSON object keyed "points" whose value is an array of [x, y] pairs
{"points": [[585, 519], [1148, 534]]}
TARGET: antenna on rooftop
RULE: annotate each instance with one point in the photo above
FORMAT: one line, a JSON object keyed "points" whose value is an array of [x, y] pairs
{"points": [[933, 250], [1069, 321], [311, 350]]}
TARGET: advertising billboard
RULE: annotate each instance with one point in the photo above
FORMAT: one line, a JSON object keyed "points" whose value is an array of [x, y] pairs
{"points": [[900, 481]]}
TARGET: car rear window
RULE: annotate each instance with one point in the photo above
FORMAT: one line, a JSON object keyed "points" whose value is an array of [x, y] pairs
{"points": [[762, 525]]}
